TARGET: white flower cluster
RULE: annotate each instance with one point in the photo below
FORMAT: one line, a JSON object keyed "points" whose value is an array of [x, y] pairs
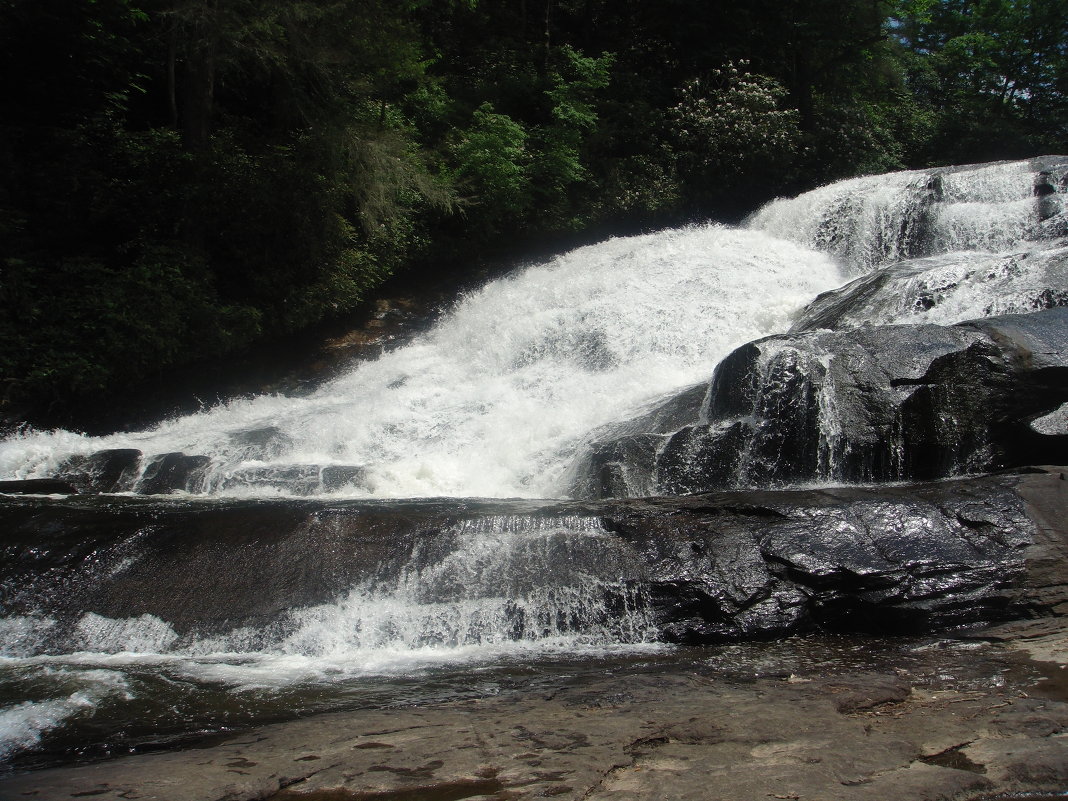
{"points": [[733, 114]]}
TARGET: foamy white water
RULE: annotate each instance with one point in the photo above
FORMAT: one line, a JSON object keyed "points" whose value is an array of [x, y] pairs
{"points": [[76, 693], [876, 220], [952, 288], [495, 399], [492, 585], [499, 588]]}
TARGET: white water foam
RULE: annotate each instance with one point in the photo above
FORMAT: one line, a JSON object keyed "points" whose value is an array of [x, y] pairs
{"points": [[876, 220], [498, 586], [23, 725], [859, 221], [968, 285], [496, 398]]}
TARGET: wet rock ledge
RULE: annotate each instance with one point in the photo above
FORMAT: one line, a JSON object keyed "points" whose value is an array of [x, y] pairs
{"points": [[714, 567], [979, 715]]}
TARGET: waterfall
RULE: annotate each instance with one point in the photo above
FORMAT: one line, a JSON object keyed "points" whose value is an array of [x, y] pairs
{"points": [[499, 397], [495, 586], [496, 399], [877, 220], [935, 247], [497, 582], [603, 354]]}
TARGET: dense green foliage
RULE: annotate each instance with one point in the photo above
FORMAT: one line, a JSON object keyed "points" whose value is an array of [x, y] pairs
{"points": [[184, 177]]}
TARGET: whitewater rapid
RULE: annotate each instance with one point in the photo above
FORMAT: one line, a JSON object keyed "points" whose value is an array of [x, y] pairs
{"points": [[495, 400]]}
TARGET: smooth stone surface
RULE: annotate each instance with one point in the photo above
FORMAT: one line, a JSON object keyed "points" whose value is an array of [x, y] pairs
{"points": [[946, 720], [38, 486]]}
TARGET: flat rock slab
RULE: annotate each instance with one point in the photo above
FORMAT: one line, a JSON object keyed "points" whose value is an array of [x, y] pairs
{"points": [[949, 720]]}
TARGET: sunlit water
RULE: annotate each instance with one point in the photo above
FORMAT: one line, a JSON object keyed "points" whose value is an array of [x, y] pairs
{"points": [[494, 401]]}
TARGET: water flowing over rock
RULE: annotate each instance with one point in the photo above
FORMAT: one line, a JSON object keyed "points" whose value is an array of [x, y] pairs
{"points": [[349, 579], [494, 399], [501, 395], [945, 290], [842, 399], [299, 553], [872, 404], [878, 220]]}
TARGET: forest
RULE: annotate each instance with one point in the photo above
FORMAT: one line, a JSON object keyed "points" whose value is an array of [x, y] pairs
{"points": [[184, 179]]}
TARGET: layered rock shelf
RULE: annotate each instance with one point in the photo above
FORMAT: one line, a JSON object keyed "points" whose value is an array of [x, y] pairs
{"points": [[707, 568]]}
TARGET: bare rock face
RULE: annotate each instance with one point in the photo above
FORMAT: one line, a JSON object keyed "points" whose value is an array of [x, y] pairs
{"points": [[893, 403]]}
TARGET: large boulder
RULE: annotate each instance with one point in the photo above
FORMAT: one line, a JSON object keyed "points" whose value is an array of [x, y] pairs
{"points": [[873, 404]]}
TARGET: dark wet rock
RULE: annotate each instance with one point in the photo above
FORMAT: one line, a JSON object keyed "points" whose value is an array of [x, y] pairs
{"points": [[622, 459], [1045, 188], [335, 477], [37, 486], [172, 472], [873, 404], [113, 470], [709, 568]]}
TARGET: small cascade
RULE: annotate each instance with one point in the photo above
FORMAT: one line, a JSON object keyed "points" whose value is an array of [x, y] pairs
{"points": [[946, 290], [776, 419], [506, 580], [484, 587], [870, 222], [496, 580], [863, 222]]}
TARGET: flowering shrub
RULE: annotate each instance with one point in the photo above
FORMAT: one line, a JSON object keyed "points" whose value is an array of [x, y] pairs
{"points": [[734, 118]]}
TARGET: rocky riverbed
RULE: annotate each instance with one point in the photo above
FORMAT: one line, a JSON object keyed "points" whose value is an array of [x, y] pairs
{"points": [[977, 715], [973, 713]]}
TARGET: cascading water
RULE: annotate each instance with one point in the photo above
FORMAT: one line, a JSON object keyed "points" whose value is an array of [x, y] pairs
{"points": [[930, 247], [496, 401], [498, 587], [869, 222], [936, 247]]}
